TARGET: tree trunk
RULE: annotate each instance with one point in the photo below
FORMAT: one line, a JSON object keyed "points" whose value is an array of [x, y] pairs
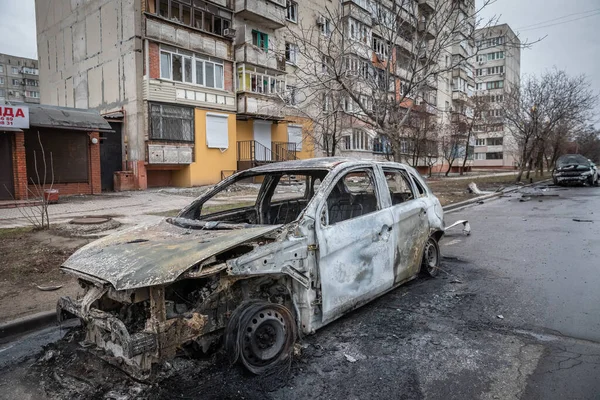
{"points": [[449, 167]]}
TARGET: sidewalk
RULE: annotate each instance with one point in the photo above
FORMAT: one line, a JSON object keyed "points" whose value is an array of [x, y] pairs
{"points": [[126, 207]]}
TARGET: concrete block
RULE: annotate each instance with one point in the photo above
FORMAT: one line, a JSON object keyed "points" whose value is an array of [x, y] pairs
{"points": [[70, 102], [209, 45], [111, 82], [93, 37], [221, 50], [153, 29], [79, 52], [95, 87], [182, 38], [167, 33], [52, 53], [196, 42], [81, 90], [109, 26], [68, 47], [60, 51]]}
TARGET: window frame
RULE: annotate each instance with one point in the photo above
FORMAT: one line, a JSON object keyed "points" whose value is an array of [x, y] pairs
{"points": [[151, 131], [262, 40], [194, 59], [291, 49], [408, 179], [291, 5], [196, 8]]}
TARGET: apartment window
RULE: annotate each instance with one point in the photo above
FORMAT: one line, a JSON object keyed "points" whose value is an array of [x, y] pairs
{"points": [[31, 71], [480, 86], [360, 140], [347, 142], [480, 72], [380, 46], [259, 80], [480, 156], [459, 84], [32, 82], [404, 147], [1, 92], [291, 53], [292, 11], [348, 104], [480, 142], [498, 55], [1, 68], [260, 40], [16, 95], [495, 141], [183, 66], [494, 85], [32, 94], [217, 131], [358, 31], [495, 70], [197, 14], [15, 70], [171, 123], [326, 64], [325, 24], [494, 156], [16, 82], [1, 80], [326, 102], [295, 136]]}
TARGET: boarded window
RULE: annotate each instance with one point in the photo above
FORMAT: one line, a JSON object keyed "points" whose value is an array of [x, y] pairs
{"points": [[68, 151], [217, 131], [172, 123]]}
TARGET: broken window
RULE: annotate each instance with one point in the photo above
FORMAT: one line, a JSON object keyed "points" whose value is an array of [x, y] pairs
{"points": [[354, 195], [199, 15], [399, 185], [171, 123]]}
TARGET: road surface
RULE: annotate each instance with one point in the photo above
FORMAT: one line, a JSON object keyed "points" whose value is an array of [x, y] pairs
{"points": [[514, 315]]}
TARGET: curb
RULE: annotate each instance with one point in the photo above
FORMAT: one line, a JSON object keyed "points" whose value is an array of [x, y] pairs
{"points": [[27, 323], [460, 205]]}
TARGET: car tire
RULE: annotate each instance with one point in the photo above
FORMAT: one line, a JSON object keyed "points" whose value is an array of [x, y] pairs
{"points": [[260, 335], [430, 265], [590, 181]]}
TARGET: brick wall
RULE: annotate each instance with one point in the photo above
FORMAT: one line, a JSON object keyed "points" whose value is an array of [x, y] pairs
{"points": [[19, 166], [154, 60], [228, 71], [94, 184]]}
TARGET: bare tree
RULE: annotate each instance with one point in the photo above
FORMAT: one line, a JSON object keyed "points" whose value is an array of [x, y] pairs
{"points": [[587, 140], [539, 105], [381, 62], [452, 144]]}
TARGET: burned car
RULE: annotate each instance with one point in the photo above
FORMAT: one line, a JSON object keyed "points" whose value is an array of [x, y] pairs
{"points": [[575, 168], [319, 238]]}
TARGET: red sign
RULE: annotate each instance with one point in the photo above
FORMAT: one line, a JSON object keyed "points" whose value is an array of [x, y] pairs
{"points": [[14, 117]]}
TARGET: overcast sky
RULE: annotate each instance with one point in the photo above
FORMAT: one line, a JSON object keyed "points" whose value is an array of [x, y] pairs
{"points": [[572, 28]]}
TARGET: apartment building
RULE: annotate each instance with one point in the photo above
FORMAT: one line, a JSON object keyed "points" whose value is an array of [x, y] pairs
{"points": [[19, 80], [192, 88], [498, 68]]}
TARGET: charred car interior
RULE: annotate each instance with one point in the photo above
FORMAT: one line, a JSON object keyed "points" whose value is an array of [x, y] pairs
{"points": [[318, 238]]}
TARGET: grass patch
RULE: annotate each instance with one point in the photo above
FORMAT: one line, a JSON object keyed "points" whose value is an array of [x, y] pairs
{"points": [[168, 213], [8, 233]]}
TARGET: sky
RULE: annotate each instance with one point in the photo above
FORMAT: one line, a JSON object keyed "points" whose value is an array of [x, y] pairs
{"points": [[571, 29]]}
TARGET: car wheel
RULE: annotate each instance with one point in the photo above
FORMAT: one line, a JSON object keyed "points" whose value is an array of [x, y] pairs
{"points": [[260, 335], [590, 181], [431, 258]]}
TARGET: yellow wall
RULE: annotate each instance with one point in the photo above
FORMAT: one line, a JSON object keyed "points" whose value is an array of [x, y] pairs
{"points": [[308, 150], [208, 163], [245, 130], [279, 132]]}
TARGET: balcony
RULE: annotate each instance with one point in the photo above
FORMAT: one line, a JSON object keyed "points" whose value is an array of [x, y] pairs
{"points": [[248, 53], [267, 13], [460, 72], [426, 6], [426, 30], [460, 96], [459, 50], [358, 13], [251, 105]]}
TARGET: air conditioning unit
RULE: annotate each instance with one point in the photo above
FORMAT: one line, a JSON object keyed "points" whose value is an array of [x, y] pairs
{"points": [[321, 20], [229, 32]]}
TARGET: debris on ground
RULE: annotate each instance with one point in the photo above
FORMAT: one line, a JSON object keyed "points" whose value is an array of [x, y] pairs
{"points": [[475, 190], [500, 316], [350, 358], [582, 220], [50, 288], [466, 226], [524, 199]]}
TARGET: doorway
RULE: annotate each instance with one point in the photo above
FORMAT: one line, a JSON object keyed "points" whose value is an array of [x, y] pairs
{"points": [[111, 159]]}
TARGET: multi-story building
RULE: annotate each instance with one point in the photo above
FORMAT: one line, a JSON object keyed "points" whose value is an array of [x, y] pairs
{"points": [[498, 68], [192, 88], [19, 80]]}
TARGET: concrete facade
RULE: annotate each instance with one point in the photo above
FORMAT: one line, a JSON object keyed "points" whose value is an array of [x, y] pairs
{"points": [[19, 80], [498, 69]]}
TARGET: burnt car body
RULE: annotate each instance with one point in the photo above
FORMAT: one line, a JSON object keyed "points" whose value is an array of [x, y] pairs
{"points": [[262, 273], [574, 168]]}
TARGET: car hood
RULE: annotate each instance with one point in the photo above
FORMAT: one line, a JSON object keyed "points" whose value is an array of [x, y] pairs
{"points": [[154, 254]]}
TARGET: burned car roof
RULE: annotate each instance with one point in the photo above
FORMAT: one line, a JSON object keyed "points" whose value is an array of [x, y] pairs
{"points": [[312, 163]]}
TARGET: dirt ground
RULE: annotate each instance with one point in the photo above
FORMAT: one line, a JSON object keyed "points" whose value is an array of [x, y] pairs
{"points": [[451, 191], [29, 259]]}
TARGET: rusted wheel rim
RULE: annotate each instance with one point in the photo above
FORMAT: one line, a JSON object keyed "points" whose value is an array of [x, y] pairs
{"points": [[264, 336], [431, 256]]}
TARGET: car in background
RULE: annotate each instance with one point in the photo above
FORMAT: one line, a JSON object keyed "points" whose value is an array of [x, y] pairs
{"points": [[575, 168], [316, 239]]}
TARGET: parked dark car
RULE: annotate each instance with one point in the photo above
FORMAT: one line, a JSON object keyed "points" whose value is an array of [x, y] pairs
{"points": [[575, 168]]}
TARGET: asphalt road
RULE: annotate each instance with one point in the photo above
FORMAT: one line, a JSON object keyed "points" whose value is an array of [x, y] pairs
{"points": [[515, 314]]}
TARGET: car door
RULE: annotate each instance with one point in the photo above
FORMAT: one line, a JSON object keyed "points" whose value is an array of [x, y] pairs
{"points": [[354, 237], [410, 226]]}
